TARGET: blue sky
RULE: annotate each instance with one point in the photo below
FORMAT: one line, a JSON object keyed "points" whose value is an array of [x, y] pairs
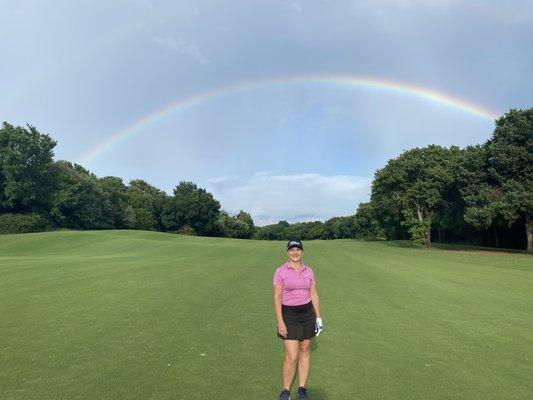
{"points": [[85, 70]]}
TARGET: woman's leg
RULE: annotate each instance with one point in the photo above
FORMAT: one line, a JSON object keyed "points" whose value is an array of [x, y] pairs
{"points": [[290, 362], [304, 361]]}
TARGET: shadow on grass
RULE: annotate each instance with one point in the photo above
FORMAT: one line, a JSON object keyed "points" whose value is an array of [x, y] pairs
{"points": [[317, 393], [405, 244], [472, 248]]}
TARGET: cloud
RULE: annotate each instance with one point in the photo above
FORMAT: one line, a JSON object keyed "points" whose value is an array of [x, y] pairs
{"points": [[295, 6], [269, 197], [181, 46]]}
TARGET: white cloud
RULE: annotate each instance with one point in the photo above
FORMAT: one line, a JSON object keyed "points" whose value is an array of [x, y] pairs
{"points": [[295, 6], [270, 198], [181, 46]]}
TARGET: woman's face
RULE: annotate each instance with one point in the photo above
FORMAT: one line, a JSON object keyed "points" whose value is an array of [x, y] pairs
{"points": [[295, 254]]}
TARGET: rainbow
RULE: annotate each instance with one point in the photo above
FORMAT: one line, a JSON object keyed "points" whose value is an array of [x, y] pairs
{"points": [[344, 81]]}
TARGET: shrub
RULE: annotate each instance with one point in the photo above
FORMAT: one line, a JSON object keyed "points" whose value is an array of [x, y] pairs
{"points": [[23, 223], [186, 230]]}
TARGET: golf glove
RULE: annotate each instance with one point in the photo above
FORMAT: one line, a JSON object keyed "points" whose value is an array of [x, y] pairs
{"points": [[318, 326]]}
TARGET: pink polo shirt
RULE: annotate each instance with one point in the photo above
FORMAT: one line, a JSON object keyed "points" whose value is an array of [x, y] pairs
{"points": [[296, 284]]}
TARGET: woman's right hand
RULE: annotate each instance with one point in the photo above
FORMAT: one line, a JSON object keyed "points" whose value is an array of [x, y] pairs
{"points": [[282, 329]]}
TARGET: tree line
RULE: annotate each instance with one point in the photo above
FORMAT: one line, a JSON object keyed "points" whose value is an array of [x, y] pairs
{"points": [[480, 194], [38, 194]]}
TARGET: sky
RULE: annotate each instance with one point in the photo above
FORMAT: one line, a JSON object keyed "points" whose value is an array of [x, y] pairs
{"points": [[283, 109]]}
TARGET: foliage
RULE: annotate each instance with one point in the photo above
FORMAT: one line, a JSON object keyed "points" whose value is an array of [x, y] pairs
{"points": [[418, 230], [277, 231], [146, 205], [233, 227], [334, 228], [479, 195], [510, 160], [417, 183], [25, 162], [496, 179], [366, 224], [23, 223], [186, 230], [191, 206], [77, 200], [248, 220], [113, 200], [339, 228], [306, 230], [241, 226]]}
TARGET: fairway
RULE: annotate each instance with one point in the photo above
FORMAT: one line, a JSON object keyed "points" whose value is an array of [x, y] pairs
{"points": [[144, 315]]}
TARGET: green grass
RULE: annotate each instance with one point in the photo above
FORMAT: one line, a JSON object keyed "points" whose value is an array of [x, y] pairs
{"points": [[101, 315]]}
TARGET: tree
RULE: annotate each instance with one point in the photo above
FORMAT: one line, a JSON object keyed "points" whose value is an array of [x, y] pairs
{"points": [[146, 205], [114, 201], [339, 228], [478, 194], [191, 206], [365, 222], [416, 183], [306, 230], [232, 227], [510, 168], [247, 219], [26, 158], [77, 201], [313, 230], [279, 231]]}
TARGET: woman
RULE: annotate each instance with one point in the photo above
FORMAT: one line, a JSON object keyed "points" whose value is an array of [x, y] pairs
{"points": [[298, 312]]}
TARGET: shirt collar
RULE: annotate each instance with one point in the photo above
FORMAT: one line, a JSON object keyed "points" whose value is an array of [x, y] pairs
{"points": [[288, 265]]}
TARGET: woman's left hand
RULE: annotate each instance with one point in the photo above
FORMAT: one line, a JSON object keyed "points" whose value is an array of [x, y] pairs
{"points": [[318, 326]]}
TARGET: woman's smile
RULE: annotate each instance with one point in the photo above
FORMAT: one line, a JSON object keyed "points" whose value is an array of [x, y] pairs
{"points": [[295, 254]]}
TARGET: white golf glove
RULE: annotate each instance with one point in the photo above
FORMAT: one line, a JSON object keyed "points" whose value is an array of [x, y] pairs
{"points": [[318, 326]]}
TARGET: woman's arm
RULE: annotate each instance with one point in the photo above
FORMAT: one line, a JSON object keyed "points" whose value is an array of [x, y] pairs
{"points": [[315, 300], [282, 329]]}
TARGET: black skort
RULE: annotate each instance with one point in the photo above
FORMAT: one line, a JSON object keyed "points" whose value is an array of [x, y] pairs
{"points": [[300, 321]]}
